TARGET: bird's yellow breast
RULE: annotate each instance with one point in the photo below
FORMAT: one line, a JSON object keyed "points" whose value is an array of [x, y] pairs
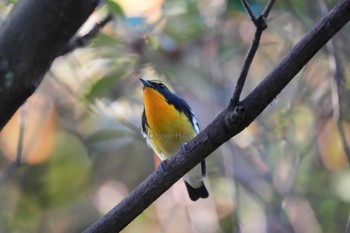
{"points": [[168, 128]]}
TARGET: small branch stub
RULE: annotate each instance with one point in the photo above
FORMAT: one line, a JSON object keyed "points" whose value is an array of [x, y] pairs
{"points": [[235, 117], [238, 113]]}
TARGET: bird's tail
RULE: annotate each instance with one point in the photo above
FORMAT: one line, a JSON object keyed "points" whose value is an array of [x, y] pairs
{"points": [[196, 193]]}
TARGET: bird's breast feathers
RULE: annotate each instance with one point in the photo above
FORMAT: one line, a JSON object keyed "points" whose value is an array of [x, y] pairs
{"points": [[167, 127]]}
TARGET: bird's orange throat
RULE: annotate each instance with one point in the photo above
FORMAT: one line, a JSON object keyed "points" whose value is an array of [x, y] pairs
{"points": [[157, 109]]}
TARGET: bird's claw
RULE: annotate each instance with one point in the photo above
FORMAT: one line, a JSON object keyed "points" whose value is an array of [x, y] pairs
{"points": [[184, 147], [163, 166]]}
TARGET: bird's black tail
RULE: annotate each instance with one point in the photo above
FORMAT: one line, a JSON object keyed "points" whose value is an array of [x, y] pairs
{"points": [[196, 193]]}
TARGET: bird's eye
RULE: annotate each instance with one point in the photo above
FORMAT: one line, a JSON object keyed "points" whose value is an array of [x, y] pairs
{"points": [[162, 86]]}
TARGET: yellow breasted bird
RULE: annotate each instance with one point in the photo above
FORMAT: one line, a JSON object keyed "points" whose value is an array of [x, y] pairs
{"points": [[167, 123]]}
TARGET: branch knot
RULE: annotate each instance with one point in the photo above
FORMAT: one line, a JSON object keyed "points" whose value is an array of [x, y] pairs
{"points": [[235, 117], [260, 23], [237, 114]]}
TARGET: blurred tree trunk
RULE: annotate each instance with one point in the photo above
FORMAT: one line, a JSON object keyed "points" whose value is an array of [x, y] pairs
{"points": [[33, 35]]}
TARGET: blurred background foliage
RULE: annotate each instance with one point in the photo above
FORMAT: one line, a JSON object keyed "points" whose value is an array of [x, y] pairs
{"points": [[82, 150]]}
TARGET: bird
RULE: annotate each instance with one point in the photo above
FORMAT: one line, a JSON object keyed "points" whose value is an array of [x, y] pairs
{"points": [[168, 123]]}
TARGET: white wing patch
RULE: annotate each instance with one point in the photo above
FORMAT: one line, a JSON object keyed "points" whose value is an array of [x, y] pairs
{"points": [[195, 122]]}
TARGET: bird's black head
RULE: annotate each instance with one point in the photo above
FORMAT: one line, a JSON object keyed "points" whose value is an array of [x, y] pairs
{"points": [[157, 85]]}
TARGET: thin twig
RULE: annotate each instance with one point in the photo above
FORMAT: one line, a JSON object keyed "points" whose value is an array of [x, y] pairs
{"points": [[82, 41], [250, 12], [260, 25], [268, 8], [244, 72]]}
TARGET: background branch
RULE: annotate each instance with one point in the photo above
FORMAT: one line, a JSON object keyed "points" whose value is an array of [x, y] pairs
{"points": [[227, 124], [82, 41], [24, 60], [336, 86]]}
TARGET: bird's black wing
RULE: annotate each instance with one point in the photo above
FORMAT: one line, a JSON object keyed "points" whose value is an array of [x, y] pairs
{"points": [[182, 106]]}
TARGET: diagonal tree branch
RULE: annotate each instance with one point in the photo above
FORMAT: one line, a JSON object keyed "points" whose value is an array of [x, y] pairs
{"points": [[33, 35], [226, 125]]}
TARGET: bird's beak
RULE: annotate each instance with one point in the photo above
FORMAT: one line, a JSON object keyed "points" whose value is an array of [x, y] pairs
{"points": [[146, 83]]}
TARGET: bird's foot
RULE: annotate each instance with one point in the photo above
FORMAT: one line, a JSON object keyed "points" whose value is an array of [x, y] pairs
{"points": [[163, 166], [184, 147]]}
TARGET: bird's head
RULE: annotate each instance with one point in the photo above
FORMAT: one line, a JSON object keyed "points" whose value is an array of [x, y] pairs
{"points": [[157, 86]]}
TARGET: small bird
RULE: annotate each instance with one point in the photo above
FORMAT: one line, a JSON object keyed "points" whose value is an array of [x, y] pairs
{"points": [[168, 123]]}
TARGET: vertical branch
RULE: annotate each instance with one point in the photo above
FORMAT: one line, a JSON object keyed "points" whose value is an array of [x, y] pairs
{"points": [[260, 24], [336, 86]]}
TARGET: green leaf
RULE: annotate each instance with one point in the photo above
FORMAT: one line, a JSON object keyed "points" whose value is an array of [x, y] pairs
{"points": [[115, 8], [11, 1], [68, 171], [103, 39], [101, 86]]}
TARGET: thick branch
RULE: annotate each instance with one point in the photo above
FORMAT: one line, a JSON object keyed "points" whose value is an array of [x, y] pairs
{"points": [[229, 123], [32, 36]]}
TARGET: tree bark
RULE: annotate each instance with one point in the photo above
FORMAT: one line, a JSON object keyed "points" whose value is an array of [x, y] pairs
{"points": [[32, 36], [227, 124]]}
